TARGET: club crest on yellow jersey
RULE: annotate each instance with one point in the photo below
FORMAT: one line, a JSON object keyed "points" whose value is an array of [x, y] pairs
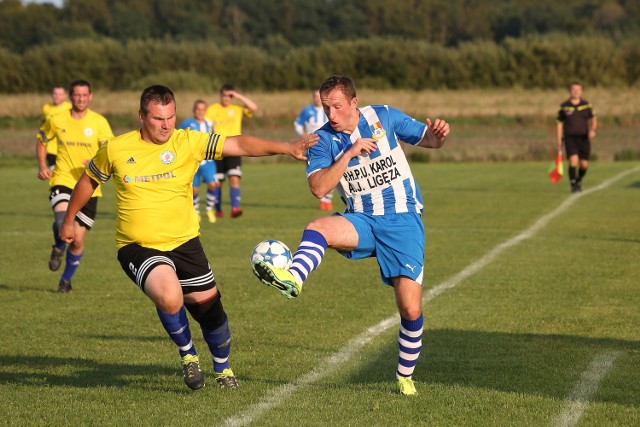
{"points": [[167, 157], [88, 132]]}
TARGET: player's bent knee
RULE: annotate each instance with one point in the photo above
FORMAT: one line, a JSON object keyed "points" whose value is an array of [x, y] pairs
{"points": [[209, 314]]}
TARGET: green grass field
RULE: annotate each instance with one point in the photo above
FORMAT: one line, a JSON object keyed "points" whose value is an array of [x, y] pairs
{"points": [[508, 345]]}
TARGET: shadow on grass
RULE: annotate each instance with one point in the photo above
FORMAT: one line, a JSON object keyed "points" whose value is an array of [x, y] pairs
{"points": [[545, 365], [83, 373], [634, 185]]}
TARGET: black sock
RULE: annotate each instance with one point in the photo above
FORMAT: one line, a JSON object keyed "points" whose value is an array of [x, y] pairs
{"points": [[581, 173], [572, 174]]}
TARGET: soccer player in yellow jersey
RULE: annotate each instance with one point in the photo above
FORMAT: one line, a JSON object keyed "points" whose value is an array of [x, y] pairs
{"points": [[157, 228], [79, 132], [227, 120], [58, 104]]}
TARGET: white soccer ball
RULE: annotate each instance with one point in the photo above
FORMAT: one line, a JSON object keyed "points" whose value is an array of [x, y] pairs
{"points": [[273, 252]]}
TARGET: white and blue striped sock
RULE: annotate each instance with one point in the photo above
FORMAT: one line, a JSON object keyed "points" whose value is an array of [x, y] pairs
{"points": [[309, 254], [196, 202], [410, 344]]}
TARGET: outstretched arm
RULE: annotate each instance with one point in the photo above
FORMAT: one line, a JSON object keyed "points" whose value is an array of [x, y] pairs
{"points": [[252, 146], [435, 135], [82, 192]]}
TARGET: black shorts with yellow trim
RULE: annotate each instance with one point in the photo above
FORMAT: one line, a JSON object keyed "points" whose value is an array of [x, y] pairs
{"points": [[188, 260], [86, 216]]}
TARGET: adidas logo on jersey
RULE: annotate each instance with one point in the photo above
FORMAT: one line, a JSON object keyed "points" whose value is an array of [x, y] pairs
{"points": [[131, 161]]}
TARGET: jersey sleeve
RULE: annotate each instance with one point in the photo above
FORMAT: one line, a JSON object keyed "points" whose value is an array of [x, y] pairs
{"points": [[247, 112], [205, 146], [104, 132], [45, 133], [319, 156], [406, 127], [100, 168], [561, 115], [298, 124]]}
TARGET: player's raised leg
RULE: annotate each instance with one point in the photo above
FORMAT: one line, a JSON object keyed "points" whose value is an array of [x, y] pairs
{"points": [[330, 231]]}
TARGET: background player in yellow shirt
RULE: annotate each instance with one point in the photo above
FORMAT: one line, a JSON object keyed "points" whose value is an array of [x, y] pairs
{"points": [[58, 104], [157, 228], [227, 120], [79, 133]]}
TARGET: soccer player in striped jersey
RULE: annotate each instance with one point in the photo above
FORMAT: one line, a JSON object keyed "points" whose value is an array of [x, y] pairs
{"points": [[157, 229], [359, 152], [79, 132], [310, 119], [207, 170]]}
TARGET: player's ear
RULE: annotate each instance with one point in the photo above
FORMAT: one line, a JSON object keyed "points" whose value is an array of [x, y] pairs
{"points": [[354, 102]]}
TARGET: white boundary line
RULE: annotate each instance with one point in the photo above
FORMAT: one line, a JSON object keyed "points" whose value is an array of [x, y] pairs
{"points": [[585, 388], [329, 365]]}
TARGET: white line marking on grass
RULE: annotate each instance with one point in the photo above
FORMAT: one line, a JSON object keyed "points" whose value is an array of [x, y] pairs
{"points": [[585, 388], [329, 365]]}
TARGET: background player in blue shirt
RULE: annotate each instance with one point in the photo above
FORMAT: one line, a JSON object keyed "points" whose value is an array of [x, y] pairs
{"points": [[310, 119], [359, 152], [207, 170]]}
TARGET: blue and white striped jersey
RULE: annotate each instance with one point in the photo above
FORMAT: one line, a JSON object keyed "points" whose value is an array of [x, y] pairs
{"points": [[309, 120], [381, 182], [193, 124]]}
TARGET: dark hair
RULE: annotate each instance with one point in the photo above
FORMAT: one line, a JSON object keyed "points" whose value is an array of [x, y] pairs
{"points": [[157, 94], [77, 83], [226, 86], [344, 83], [198, 101], [574, 83]]}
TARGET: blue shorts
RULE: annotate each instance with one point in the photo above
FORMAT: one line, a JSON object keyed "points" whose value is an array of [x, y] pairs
{"points": [[206, 172], [395, 240]]}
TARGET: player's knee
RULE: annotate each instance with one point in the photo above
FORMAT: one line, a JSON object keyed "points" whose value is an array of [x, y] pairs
{"points": [[209, 314], [410, 312], [320, 225]]}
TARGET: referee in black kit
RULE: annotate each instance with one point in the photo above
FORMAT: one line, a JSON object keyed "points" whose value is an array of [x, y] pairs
{"points": [[576, 125]]}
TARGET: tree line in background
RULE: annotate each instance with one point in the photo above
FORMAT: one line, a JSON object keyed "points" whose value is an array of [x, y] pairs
{"points": [[293, 23], [295, 44], [534, 61]]}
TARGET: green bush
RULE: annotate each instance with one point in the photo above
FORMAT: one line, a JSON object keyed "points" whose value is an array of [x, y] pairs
{"points": [[531, 62]]}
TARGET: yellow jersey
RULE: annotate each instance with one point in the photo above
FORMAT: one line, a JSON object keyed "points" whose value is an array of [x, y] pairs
{"points": [[49, 110], [154, 199], [78, 142], [227, 120]]}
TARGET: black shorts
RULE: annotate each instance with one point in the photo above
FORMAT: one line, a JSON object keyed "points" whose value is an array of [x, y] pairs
{"points": [[188, 260], [86, 216], [578, 146], [51, 160], [229, 166]]}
